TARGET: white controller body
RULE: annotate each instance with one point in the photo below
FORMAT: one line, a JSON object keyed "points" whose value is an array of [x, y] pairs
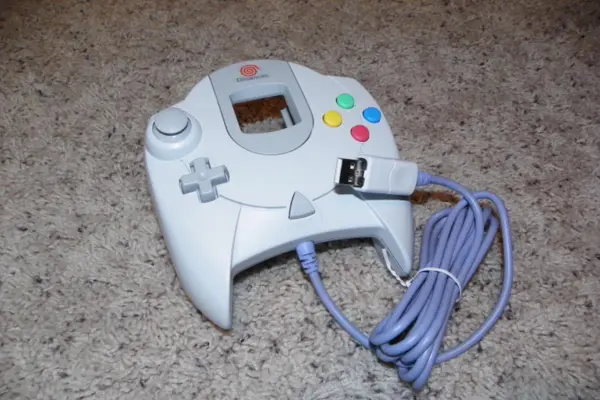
{"points": [[227, 200]]}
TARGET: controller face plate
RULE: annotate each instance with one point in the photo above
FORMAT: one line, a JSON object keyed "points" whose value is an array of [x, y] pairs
{"points": [[229, 197]]}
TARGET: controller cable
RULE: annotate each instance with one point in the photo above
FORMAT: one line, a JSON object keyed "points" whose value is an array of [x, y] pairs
{"points": [[455, 242]]}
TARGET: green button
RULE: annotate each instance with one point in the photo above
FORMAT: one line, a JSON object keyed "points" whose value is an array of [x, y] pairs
{"points": [[345, 101]]}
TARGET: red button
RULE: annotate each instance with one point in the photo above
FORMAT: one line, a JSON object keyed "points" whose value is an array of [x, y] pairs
{"points": [[360, 133]]}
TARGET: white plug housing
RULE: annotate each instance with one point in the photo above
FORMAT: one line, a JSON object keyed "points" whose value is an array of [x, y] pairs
{"points": [[379, 175]]}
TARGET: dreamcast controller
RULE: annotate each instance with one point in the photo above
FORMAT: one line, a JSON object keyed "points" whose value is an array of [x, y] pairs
{"points": [[228, 198]]}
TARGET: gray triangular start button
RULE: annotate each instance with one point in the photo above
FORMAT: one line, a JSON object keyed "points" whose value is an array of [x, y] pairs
{"points": [[300, 207]]}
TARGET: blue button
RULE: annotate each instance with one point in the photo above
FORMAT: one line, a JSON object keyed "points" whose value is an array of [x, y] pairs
{"points": [[372, 114]]}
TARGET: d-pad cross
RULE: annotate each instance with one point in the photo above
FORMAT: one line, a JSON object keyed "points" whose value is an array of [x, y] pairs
{"points": [[204, 179]]}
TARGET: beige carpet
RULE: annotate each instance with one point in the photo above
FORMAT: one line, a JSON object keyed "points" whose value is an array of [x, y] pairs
{"points": [[501, 95]]}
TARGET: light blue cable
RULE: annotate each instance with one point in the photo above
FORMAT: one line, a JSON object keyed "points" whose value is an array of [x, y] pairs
{"points": [[456, 239]]}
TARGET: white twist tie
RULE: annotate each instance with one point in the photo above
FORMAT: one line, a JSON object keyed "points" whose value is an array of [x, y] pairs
{"points": [[407, 283]]}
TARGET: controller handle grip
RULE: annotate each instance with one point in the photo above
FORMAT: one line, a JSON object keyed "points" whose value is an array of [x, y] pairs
{"points": [[199, 239]]}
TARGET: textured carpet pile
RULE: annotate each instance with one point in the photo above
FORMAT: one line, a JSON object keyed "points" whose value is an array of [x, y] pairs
{"points": [[502, 96]]}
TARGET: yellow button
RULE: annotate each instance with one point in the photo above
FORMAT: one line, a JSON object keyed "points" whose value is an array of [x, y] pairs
{"points": [[332, 119]]}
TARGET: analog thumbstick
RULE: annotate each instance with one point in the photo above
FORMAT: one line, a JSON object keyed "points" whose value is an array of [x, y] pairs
{"points": [[171, 121]]}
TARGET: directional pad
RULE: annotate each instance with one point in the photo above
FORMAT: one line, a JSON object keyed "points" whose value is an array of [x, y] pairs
{"points": [[203, 179]]}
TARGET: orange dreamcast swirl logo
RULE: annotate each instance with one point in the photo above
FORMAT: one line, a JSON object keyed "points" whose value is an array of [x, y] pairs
{"points": [[249, 70]]}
